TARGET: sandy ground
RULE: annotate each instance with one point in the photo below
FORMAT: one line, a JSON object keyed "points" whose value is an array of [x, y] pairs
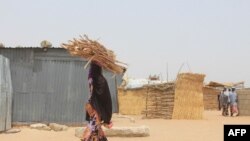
{"points": [[208, 129]]}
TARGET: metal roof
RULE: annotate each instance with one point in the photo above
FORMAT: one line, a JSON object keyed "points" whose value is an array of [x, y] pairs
{"points": [[26, 47]]}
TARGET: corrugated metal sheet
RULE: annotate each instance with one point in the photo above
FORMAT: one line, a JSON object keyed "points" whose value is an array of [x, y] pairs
{"points": [[5, 94], [50, 86], [19, 47]]}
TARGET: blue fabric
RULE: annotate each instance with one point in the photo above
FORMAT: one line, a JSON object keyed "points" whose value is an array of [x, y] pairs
{"points": [[233, 98]]}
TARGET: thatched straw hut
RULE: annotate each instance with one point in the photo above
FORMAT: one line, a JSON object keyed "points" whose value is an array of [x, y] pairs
{"points": [[182, 99]]}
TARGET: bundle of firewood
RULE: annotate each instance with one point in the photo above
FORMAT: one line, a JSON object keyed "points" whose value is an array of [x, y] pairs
{"points": [[94, 51]]}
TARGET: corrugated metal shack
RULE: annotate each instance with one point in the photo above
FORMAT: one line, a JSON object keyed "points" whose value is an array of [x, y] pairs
{"points": [[50, 85]]}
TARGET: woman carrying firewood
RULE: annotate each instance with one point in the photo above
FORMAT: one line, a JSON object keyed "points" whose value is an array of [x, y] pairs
{"points": [[99, 106]]}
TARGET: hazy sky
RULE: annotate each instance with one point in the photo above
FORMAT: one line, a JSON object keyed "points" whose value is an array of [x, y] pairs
{"points": [[212, 36]]}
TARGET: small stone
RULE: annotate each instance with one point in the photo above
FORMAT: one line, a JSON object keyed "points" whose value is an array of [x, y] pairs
{"points": [[58, 127], [40, 126], [12, 131]]}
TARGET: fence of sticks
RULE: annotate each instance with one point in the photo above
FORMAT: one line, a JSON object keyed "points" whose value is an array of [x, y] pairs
{"points": [[159, 101], [180, 100]]}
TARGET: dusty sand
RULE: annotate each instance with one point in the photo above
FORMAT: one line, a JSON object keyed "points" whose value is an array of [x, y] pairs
{"points": [[208, 129]]}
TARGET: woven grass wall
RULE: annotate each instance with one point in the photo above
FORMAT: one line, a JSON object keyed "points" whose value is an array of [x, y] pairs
{"points": [[243, 91], [188, 102], [132, 101], [244, 102], [210, 98]]}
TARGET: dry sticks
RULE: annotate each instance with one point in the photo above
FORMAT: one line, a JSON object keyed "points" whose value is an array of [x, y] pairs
{"points": [[180, 100], [94, 51], [159, 101]]}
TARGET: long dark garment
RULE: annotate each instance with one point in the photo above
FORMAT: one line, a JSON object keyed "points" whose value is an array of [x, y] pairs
{"points": [[100, 99], [99, 107]]}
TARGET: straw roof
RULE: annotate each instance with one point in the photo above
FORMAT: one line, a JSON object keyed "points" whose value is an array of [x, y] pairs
{"points": [[227, 84], [94, 51]]}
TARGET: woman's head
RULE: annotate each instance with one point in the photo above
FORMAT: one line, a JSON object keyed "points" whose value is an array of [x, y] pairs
{"points": [[94, 69]]}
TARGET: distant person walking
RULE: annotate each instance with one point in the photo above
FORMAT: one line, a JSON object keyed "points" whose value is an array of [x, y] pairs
{"points": [[233, 103], [225, 102], [219, 100]]}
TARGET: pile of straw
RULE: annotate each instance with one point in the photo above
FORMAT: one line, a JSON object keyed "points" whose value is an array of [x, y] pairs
{"points": [[94, 51], [188, 102]]}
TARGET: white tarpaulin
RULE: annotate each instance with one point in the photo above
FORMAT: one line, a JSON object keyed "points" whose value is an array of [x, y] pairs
{"points": [[139, 83]]}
